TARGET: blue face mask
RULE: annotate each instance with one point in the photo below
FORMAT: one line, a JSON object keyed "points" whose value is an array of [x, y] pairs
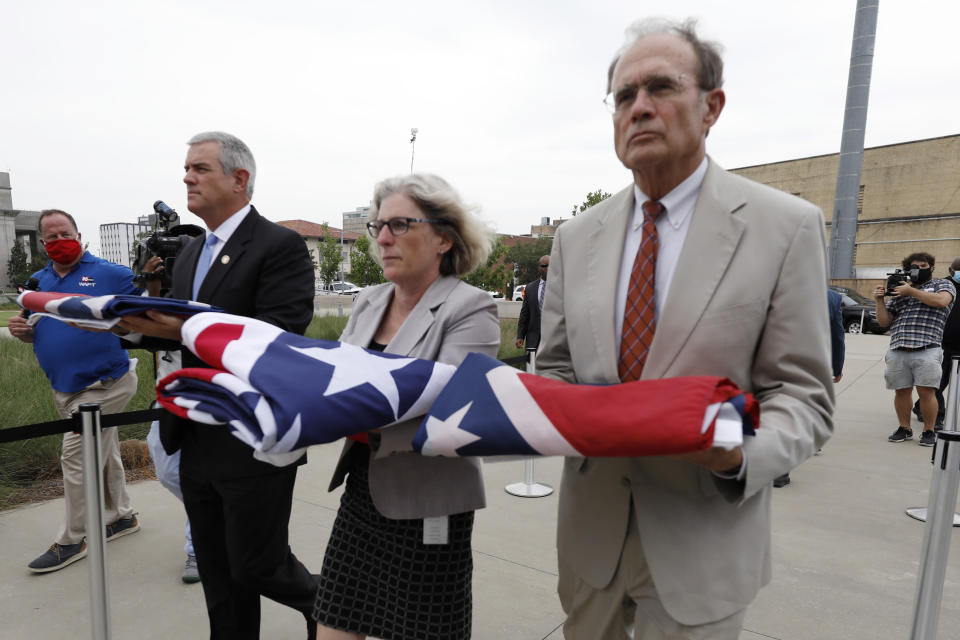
{"points": [[956, 276]]}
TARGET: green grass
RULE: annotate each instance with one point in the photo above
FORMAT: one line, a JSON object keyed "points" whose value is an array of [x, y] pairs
{"points": [[27, 399], [5, 316]]}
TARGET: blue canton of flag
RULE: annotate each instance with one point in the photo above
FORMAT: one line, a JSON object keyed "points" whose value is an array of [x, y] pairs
{"points": [[281, 392]]}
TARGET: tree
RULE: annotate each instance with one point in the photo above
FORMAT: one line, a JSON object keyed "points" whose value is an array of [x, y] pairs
{"points": [[493, 275], [525, 257], [364, 269], [18, 267], [330, 257], [593, 198]]}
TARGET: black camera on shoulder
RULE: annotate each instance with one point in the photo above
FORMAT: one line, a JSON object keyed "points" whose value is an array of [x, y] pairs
{"points": [[898, 277], [166, 241]]}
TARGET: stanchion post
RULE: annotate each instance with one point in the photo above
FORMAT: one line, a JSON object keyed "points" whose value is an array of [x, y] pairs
{"points": [[96, 536], [940, 514], [529, 488]]}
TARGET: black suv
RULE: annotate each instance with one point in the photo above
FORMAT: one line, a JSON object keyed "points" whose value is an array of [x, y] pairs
{"points": [[855, 307]]}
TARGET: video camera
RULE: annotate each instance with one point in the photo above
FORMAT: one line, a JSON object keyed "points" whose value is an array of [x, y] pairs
{"points": [[899, 276], [166, 241]]}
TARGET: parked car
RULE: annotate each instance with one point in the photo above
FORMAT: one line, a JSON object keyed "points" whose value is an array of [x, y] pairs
{"points": [[518, 292], [344, 288], [856, 306]]}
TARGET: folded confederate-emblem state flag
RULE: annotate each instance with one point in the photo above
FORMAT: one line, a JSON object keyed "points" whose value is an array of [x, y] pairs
{"points": [[280, 392], [101, 311], [489, 408]]}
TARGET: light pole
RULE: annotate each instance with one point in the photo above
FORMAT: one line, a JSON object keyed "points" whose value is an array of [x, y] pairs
{"points": [[413, 145]]}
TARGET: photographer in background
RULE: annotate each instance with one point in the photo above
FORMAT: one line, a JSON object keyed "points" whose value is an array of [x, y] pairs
{"points": [[82, 367], [916, 314]]}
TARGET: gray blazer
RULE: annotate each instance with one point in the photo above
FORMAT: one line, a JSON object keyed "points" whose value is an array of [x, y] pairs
{"points": [[451, 320], [746, 302]]}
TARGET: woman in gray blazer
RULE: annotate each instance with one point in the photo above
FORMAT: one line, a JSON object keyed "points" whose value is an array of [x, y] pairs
{"points": [[398, 563]]}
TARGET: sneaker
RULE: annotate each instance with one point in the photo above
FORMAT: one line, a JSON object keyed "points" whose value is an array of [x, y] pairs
{"points": [[190, 573], [58, 556], [938, 426], [928, 439], [901, 434], [122, 527], [917, 412], [781, 481]]}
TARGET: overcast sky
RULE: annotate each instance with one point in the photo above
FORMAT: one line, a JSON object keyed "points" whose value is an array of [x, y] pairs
{"points": [[99, 98]]}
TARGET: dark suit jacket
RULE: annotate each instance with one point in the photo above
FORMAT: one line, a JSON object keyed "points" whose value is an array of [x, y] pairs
{"points": [[837, 343], [264, 272], [528, 326]]}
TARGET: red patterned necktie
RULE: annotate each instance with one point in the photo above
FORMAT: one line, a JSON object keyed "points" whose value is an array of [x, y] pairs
{"points": [[638, 313]]}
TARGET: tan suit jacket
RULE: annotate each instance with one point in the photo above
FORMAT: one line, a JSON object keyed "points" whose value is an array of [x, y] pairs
{"points": [[747, 302], [451, 320]]}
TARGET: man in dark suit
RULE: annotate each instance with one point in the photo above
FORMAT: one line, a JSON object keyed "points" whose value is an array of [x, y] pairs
{"points": [[238, 507], [838, 349], [528, 326]]}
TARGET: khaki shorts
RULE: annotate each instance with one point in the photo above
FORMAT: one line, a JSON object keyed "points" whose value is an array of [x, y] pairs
{"points": [[905, 369]]}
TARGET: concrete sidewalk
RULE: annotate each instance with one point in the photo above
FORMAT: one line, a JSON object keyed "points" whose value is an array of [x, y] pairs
{"points": [[845, 555]]}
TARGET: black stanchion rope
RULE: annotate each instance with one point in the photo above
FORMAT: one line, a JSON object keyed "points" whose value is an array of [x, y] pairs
{"points": [[41, 429], [26, 432]]}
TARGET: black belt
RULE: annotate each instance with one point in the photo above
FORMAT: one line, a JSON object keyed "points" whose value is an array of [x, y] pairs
{"points": [[926, 346]]}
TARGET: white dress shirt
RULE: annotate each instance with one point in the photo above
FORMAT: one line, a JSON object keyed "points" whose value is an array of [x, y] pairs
{"points": [[225, 230], [672, 229]]}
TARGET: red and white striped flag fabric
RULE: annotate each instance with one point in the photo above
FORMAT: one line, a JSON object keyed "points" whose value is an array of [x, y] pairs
{"points": [[101, 312], [490, 409]]}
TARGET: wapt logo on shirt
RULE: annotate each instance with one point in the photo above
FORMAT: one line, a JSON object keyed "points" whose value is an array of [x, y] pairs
{"points": [[87, 281]]}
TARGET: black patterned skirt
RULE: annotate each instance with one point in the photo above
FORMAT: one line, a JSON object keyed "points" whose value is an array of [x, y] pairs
{"points": [[380, 580]]}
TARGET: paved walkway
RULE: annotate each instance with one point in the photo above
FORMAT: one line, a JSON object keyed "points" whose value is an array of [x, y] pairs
{"points": [[845, 556]]}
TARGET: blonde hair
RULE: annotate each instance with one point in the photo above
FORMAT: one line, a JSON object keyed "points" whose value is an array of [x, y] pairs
{"points": [[472, 238]]}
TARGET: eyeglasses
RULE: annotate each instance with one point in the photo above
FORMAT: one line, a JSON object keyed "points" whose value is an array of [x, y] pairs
{"points": [[542, 266], [657, 88], [397, 226]]}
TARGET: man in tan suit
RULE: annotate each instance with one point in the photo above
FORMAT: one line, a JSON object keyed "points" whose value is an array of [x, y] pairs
{"points": [[688, 271]]}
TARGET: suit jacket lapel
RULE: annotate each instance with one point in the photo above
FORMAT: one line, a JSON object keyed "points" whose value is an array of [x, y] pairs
{"points": [[605, 247], [710, 244], [421, 318], [378, 302], [189, 256], [235, 247]]}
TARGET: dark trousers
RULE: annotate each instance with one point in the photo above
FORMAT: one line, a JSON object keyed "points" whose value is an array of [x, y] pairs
{"points": [[239, 530]]}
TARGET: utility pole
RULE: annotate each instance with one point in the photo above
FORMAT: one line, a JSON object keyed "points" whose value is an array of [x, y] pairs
{"points": [[843, 231], [413, 145]]}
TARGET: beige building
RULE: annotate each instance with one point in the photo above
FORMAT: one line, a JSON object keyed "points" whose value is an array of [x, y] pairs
{"points": [[312, 234], [16, 225], [546, 229], [356, 221], [909, 201]]}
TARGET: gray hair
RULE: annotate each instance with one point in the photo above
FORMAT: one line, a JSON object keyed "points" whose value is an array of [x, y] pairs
{"points": [[710, 71], [234, 154], [472, 239]]}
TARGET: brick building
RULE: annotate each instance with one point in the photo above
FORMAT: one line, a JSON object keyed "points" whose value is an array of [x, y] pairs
{"points": [[909, 201]]}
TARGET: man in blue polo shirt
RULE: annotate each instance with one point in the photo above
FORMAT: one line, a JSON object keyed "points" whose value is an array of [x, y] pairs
{"points": [[82, 367]]}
